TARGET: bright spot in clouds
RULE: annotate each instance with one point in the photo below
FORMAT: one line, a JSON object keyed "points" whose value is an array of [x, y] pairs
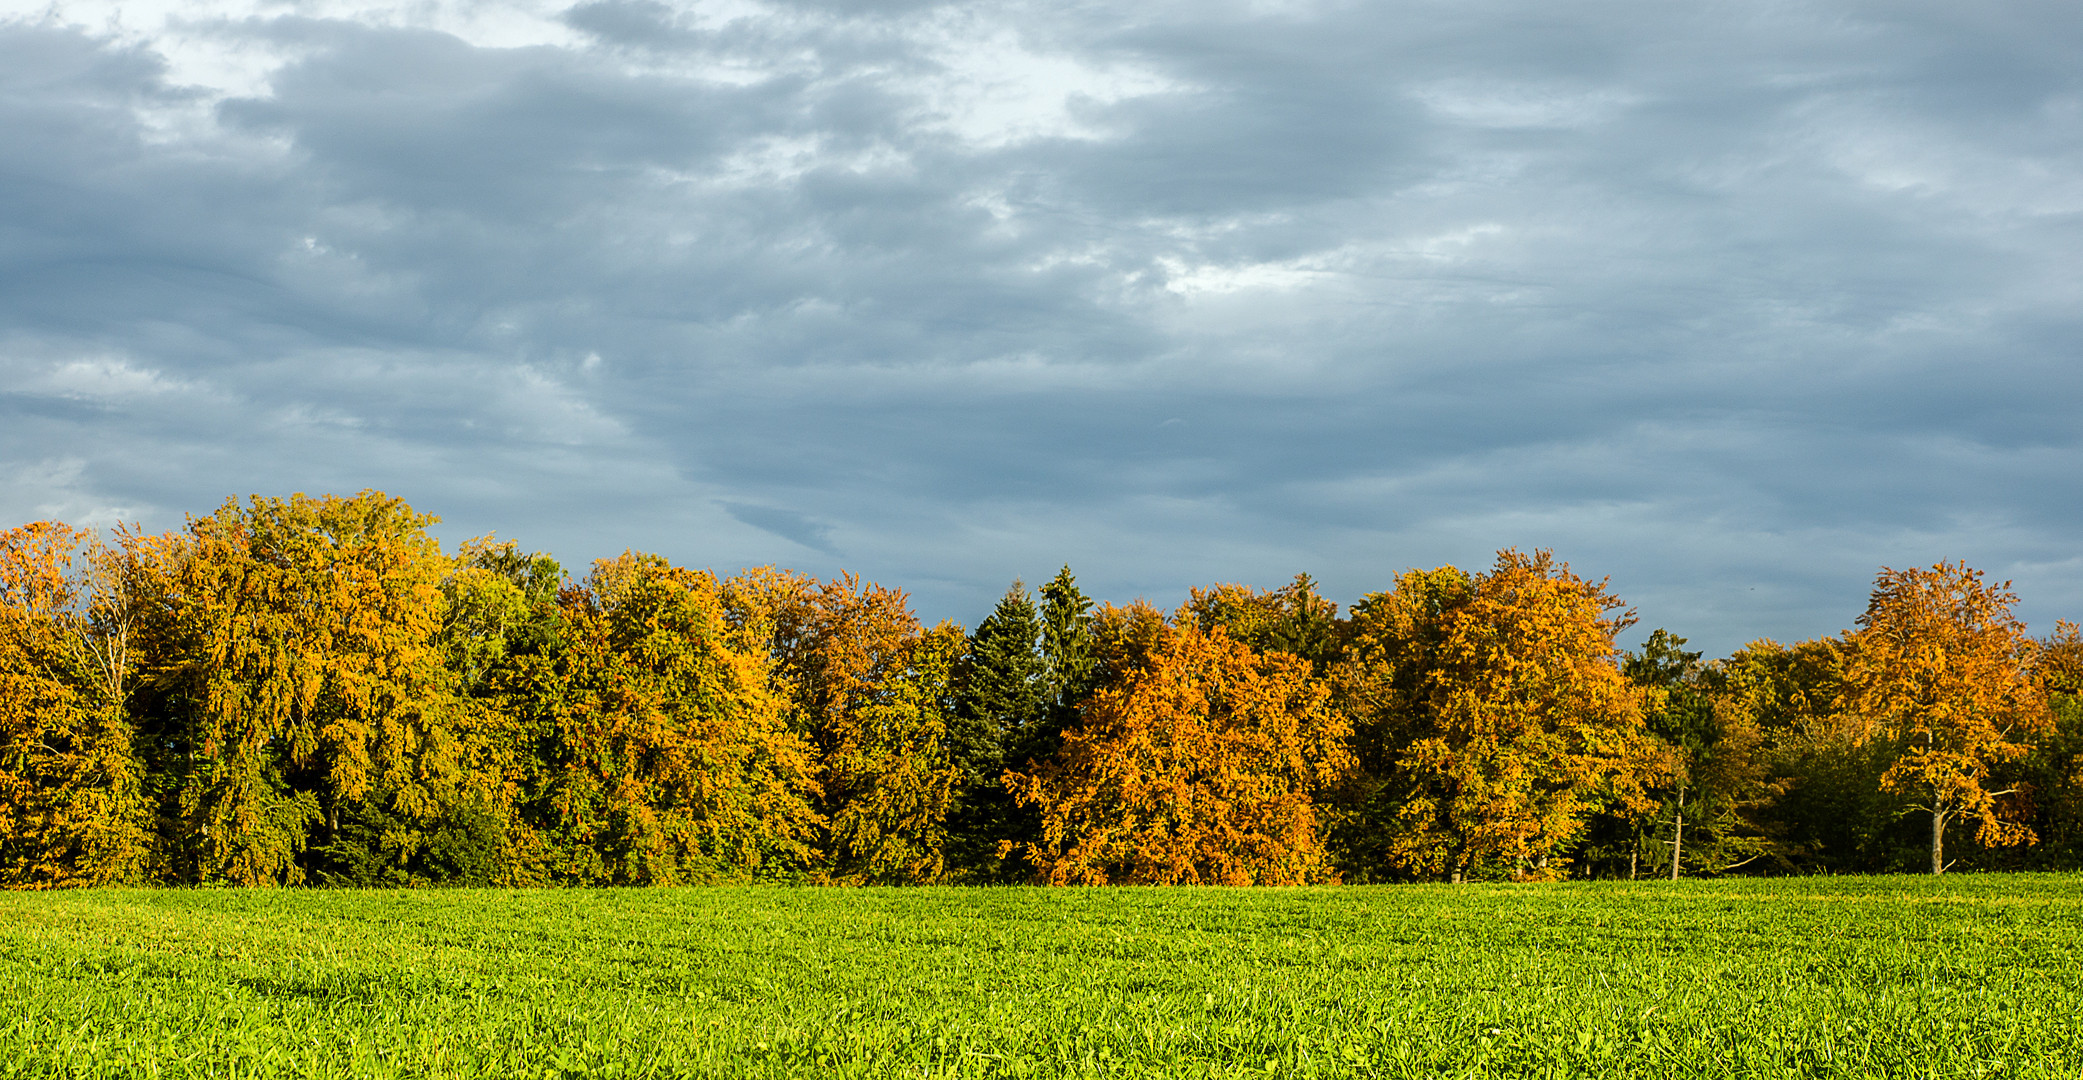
{"points": [[1730, 304]]}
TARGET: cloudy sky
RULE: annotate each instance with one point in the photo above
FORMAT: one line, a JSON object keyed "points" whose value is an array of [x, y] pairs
{"points": [[1733, 303]]}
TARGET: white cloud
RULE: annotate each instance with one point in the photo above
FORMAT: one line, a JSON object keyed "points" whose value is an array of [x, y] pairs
{"points": [[1209, 278], [1496, 104], [106, 378], [993, 89], [206, 47], [1724, 302], [58, 489]]}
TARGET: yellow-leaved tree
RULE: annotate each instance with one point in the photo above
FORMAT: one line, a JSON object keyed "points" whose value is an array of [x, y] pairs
{"points": [[1291, 619], [1492, 719], [72, 804], [664, 750], [301, 711], [872, 692], [1201, 761], [1941, 667]]}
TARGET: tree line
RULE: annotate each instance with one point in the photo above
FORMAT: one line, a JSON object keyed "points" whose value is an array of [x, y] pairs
{"points": [[312, 691]]}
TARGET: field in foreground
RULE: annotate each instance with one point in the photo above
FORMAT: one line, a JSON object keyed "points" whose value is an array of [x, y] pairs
{"points": [[1959, 977]]}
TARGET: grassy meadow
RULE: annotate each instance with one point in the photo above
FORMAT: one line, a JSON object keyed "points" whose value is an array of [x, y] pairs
{"points": [[1966, 976]]}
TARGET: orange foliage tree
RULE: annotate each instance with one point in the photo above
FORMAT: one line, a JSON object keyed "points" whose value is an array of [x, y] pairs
{"points": [[872, 692], [310, 690], [1941, 666], [72, 803], [1494, 718], [1200, 764], [2060, 666]]}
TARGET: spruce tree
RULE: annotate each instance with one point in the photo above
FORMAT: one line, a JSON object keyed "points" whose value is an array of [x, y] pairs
{"points": [[1014, 705], [1003, 692], [1000, 702], [1068, 661]]}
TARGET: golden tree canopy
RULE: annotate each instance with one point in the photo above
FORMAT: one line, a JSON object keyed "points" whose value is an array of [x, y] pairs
{"points": [[1940, 665], [1498, 713], [72, 808], [1201, 765]]}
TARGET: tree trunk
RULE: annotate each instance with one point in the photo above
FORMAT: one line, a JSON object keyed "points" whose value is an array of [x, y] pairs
{"points": [[1938, 841], [1677, 833]]}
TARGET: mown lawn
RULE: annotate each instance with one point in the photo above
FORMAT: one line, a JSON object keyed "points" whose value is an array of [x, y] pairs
{"points": [[1967, 976]]}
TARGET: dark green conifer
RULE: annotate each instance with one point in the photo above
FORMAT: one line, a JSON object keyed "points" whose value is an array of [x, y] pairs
{"points": [[1068, 660], [1028, 672], [1003, 691], [1000, 703]]}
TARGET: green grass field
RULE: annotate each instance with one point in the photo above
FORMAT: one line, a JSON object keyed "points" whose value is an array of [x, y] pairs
{"points": [[1900, 977]]}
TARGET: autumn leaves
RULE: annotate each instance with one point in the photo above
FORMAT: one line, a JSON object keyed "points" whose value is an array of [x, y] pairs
{"points": [[310, 690], [1941, 667], [71, 782], [1500, 721], [1201, 760]]}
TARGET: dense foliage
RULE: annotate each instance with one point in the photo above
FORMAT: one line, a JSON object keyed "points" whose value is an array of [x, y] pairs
{"points": [[311, 690]]}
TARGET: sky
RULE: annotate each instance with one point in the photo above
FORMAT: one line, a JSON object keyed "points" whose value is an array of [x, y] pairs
{"points": [[1730, 304]]}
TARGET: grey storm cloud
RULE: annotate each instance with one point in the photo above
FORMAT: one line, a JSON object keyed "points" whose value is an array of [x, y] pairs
{"points": [[1733, 304]]}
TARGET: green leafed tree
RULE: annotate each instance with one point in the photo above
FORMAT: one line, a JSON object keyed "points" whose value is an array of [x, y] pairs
{"points": [[1704, 821], [2052, 774], [1828, 812], [1070, 667], [501, 636]]}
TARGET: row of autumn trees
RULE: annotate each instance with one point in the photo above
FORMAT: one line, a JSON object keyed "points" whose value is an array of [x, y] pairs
{"points": [[310, 690]]}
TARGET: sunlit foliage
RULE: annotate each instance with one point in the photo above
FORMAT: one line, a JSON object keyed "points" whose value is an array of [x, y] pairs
{"points": [[311, 690], [1942, 668], [871, 690], [299, 684], [665, 751], [72, 803], [1201, 765], [1495, 718]]}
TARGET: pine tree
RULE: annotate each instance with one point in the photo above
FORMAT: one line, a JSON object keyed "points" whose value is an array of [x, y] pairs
{"points": [[1069, 662], [1003, 691], [1000, 700], [1030, 706]]}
